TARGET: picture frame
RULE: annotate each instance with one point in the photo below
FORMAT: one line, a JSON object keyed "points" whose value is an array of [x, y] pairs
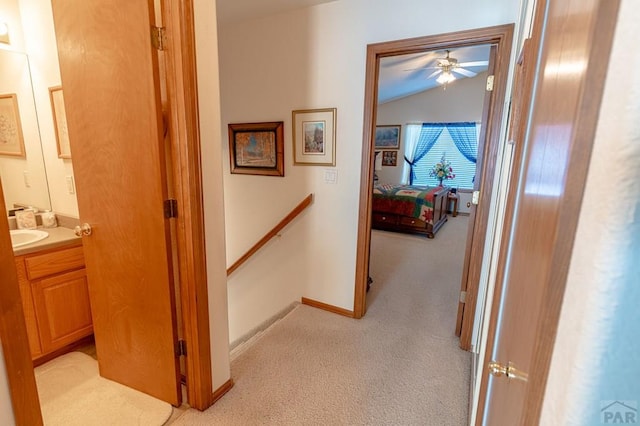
{"points": [[257, 148], [11, 137], [314, 137], [390, 158], [56, 97], [388, 137]]}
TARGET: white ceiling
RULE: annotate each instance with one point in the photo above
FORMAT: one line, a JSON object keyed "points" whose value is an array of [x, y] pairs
{"points": [[230, 11], [406, 75]]}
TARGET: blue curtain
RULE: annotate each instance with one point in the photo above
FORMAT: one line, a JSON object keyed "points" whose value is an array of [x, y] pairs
{"points": [[428, 136], [464, 136]]}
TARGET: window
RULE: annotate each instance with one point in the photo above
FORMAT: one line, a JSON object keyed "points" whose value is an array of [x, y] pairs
{"points": [[464, 166]]}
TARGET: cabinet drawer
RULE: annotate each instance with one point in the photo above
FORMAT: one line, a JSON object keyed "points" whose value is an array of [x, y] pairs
{"points": [[385, 218], [42, 265], [413, 222]]}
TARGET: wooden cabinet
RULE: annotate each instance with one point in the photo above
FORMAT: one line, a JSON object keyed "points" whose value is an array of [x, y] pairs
{"points": [[55, 298]]}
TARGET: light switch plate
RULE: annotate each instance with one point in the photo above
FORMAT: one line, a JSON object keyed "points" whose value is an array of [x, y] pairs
{"points": [[71, 186], [330, 176]]}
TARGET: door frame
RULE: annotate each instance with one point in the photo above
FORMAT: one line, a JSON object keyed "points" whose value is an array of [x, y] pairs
{"points": [[500, 35], [186, 164]]}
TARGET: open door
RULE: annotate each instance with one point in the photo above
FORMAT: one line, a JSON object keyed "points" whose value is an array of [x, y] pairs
{"points": [[475, 242], [543, 207], [109, 71]]}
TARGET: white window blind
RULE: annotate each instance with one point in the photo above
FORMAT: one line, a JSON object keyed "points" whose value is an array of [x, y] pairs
{"points": [[464, 169]]}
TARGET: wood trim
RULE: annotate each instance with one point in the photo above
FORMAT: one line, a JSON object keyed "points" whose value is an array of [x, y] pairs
{"points": [[182, 92], [500, 35], [327, 307], [269, 235], [222, 391], [13, 334]]}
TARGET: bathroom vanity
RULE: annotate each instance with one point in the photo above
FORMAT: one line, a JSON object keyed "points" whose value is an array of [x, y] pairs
{"points": [[55, 296]]}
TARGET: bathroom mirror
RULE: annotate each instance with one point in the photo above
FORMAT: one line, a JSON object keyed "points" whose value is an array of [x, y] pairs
{"points": [[22, 171]]}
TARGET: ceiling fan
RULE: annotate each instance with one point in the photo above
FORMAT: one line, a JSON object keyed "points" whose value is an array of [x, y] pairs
{"points": [[445, 67]]}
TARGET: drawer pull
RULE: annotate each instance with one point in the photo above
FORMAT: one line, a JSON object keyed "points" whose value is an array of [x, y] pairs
{"points": [[384, 218]]}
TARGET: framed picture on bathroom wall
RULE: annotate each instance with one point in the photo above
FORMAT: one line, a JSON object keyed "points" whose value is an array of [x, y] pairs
{"points": [[60, 121], [11, 138]]}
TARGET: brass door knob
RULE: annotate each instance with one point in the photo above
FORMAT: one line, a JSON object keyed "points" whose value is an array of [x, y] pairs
{"points": [[498, 370]]}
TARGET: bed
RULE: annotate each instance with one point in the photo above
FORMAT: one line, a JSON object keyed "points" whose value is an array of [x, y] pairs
{"points": [[409, 209]]}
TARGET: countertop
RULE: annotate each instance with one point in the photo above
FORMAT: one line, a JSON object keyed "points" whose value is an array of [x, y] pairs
{"points": [[58, 237]]}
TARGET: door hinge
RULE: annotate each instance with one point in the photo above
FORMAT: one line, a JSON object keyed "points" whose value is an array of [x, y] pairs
{"points": [[181, 348], [158, 38], [490, 83], [463, 297], [475, 197], [170, 208]]}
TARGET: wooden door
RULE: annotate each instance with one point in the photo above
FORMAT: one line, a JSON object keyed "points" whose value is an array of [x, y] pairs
{"points": [[110, 80], [476, 231], [542, 211]]}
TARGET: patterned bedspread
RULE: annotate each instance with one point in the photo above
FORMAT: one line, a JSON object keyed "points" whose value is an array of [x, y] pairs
{"points": [[405, 200]]}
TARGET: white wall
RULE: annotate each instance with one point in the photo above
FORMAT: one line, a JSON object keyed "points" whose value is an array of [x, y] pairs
{"points": [[6, 410], [311, 58], [209, 108], [595, 356], [461, 101]]}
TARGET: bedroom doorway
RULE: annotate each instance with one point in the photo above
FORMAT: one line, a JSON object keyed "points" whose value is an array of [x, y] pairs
{"points": [[499, 38]]}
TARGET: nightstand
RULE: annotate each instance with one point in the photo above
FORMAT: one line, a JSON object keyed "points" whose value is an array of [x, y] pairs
{"points": [[451, 197]]}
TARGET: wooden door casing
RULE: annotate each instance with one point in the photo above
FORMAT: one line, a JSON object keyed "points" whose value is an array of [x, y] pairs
{"points": [[109, 72], [500, 36], [542, 214]]}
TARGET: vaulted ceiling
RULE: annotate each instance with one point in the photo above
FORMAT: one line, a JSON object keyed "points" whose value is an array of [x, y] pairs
{"points": [[407, 75]]}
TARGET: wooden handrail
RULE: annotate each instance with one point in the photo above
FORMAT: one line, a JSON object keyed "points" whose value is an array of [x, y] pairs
{"points": [[284, 222]]}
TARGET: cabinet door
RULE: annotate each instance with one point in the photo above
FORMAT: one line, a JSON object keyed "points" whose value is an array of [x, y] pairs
{"points": [[62, 308], [28, 308]]}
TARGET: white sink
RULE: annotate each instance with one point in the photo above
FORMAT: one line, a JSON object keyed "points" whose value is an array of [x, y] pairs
{"points": [[22, 237]]}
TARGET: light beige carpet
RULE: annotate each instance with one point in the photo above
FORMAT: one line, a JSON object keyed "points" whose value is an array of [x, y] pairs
{"points": [[399, 365], [73, 393]]}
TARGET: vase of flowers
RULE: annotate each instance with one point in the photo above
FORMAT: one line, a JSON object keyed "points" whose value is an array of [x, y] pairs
{"points": [[442, 170]]}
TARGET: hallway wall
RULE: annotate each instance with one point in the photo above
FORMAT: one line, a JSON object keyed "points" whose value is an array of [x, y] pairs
{"points": [[304, 59]]}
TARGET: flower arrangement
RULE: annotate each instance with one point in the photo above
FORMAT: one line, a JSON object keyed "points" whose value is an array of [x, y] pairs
{"points": [[442, 170]]}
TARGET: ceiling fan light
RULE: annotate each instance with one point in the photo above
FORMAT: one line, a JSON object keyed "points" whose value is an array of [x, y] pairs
{"points": [[445, 77]]}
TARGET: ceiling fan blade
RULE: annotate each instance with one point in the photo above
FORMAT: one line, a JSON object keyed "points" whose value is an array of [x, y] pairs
{"points": [[421, 68], [474, 64], [464, 72], [433, 74]]}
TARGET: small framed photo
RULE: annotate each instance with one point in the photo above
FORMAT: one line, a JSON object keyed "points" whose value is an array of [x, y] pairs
{"points": [[60, 122], [11, 138], [388, 137], [257, 148], [314, 137], [389, 158]]}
